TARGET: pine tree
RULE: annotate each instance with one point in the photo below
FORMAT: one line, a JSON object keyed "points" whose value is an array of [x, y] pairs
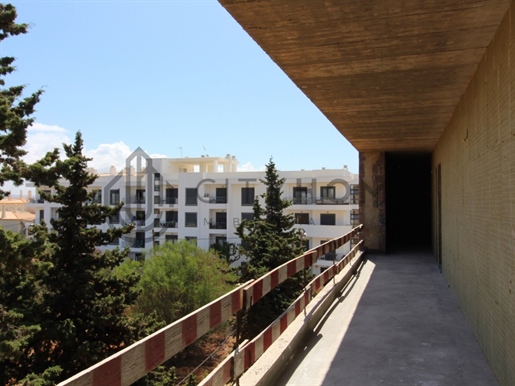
{"points": [[14, 109], [82, 308], [268, 241], [19, 286]]}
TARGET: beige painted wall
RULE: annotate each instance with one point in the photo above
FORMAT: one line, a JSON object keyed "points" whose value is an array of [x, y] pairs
{"points": [[372, 199], [477, 157]]}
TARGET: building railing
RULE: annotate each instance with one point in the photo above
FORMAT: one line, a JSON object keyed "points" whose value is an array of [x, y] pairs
{"points": [[321, 201], [218, 225], [135, 361], [218, 200]]}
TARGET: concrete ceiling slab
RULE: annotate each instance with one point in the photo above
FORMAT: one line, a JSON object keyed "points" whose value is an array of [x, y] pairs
{"points": [[387, 74]]}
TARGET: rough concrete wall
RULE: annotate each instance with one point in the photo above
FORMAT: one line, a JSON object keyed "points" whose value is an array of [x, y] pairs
{"points": [[371, 199], [477, 157]]}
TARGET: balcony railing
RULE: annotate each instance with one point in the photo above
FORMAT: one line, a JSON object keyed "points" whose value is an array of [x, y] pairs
{"points": [[320, 201], [218, 225], [169, 224], [218, 200], [139, 244], [128, 365]]}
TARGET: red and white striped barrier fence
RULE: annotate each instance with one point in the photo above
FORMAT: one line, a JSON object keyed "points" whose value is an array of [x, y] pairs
{"points": [[251, 352], [260, 287], [135, 361], [240, 361]]}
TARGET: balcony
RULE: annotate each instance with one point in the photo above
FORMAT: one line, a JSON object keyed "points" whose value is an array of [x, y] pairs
{"points": [[218, 200], [396, 320], [320, 201], [137, 200], [168, 224], [165, 200], [331, 201], [218, 225], [139, 244]]}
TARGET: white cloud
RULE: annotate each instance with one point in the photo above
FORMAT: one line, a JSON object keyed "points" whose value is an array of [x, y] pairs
{"points": [[41, 127], [248, 167], [43, 138], [107, 155]]}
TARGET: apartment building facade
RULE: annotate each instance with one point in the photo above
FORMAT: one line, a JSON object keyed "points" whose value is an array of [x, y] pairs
{"points": [[204, 199]]}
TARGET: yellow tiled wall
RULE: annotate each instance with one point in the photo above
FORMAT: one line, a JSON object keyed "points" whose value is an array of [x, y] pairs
{"points": [[477, 157]]}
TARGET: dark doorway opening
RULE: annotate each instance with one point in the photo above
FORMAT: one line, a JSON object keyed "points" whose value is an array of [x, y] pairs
{"points": [[408, 201]]}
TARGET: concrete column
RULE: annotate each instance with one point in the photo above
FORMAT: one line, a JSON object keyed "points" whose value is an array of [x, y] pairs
{"points": [[372, 200]]}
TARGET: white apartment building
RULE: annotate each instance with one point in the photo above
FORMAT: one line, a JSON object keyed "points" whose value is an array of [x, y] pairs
{"points": [[204, 199]]}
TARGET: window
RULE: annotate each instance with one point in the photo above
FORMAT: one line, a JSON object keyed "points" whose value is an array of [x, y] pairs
{"points": [[247, 216], [171, 218], [171, 195], [40, 199], [221, 240], [140, 217], [331, 255], [171, 238], [190, 220], [41, 215], [247, 196], [192, 240], [327, 219], [97, 198], [354, 194], [301, 218], [221, 196], [140, 240], [157, 222], [157, 200], [114, 197], [157, 182], [191, 196], [115, 218], [327, 192], [354, 217], [300, 195], [220, 221], [140, 196]]}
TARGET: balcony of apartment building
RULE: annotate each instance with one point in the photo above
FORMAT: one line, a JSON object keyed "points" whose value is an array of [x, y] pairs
{"points": [[327, 195], [217, 220], [165, 219], [136, 197], [169, 199], [136, 241], [215, 194]]}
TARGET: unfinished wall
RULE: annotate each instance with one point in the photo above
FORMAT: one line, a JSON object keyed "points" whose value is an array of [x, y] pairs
{"points": [[477, 157], [372, 199]]}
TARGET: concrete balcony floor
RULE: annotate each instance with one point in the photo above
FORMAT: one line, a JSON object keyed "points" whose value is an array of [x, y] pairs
{"points": [[396, 323]]}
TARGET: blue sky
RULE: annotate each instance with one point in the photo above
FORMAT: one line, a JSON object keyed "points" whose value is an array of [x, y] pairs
{"points": [[164, 75]]}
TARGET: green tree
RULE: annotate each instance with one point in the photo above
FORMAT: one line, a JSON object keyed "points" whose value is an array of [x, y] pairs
{"points": [[268, 241], [226, 251], [14, 109], [82, 309], [19, 286], [178, 278]]}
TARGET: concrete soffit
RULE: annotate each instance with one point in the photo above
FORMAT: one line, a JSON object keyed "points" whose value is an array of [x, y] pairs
{"points": [[387, 75]]}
